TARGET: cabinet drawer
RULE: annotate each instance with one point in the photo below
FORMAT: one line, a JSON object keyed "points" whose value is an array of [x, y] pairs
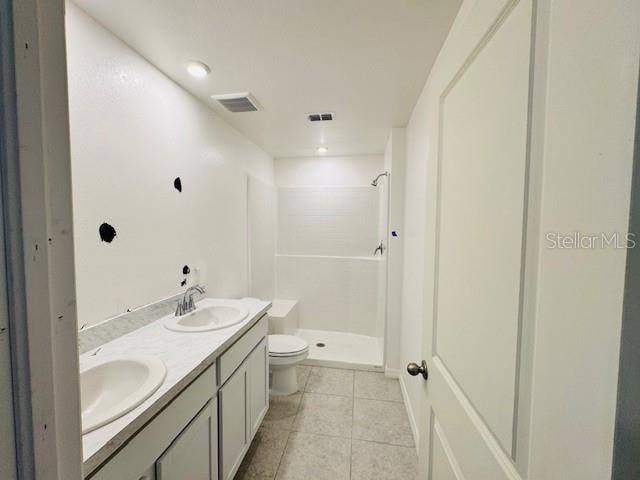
{"points": [[233, 357]]}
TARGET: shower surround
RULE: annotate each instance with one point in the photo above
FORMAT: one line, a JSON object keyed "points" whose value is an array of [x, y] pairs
{"points": [[329, 225]]}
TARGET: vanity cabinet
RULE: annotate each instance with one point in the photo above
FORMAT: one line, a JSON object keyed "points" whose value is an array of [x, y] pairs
{"points": [[206, 430], [243, 400], [165, 441]]}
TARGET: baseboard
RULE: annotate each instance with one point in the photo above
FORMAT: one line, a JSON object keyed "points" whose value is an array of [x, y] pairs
{"points": [[410, 413], [392, 372]]}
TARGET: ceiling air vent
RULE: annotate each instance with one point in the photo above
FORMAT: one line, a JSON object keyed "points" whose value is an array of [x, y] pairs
{"points": [[320, 117], [238, 102]]}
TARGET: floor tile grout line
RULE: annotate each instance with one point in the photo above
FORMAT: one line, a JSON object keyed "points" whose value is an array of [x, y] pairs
{"points": [[286, 444], [350, 457], [331, 394], [319, 434], [377, 442], [378, 399], [353, 413], [289, 432], [350, 396]]}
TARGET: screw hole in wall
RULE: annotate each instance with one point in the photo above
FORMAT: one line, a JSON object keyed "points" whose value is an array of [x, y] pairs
{"points": [[321, 345]]}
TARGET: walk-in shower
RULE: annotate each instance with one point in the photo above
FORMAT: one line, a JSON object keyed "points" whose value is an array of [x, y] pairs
{"points": [[332, 260]]}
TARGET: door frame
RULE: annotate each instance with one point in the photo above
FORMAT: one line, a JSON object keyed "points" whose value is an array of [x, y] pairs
{"points": [[8, 454], [626, 445], [38, 235]]}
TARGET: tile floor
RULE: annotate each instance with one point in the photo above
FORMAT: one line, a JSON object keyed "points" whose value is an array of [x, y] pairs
{"points": [[341, 425]]}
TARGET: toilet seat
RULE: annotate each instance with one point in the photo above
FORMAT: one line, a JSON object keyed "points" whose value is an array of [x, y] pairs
{"points": [[286, 346]]}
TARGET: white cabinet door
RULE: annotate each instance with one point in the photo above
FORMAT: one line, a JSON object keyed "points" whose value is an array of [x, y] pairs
{"points": [[193, 454], [233, 422], [258, 367]]}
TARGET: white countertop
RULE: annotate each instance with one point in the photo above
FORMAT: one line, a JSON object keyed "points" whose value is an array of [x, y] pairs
{"points": [[186, 356]]}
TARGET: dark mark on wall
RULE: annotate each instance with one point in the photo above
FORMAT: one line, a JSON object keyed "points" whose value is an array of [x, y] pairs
{"points": [[186, 270], [177, 183], [183, 282], [60, 317], [107, 232]]}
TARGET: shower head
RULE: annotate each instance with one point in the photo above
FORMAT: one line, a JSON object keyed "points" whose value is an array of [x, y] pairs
{"points": [[375, 180]]}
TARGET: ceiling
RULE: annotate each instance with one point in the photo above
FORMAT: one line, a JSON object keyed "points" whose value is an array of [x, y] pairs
{"points": [[364, 60]]}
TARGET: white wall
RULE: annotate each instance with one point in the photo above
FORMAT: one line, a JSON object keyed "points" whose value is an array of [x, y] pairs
{"points": [[395, 163], [132, 132], [413, 287], [262, 211], [328, 215]]}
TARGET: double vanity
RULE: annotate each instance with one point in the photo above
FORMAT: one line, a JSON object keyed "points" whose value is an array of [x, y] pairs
{"points": [[180, 398]]}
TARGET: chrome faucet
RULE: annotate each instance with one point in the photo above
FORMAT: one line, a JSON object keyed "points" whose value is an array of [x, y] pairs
{"points": [[186, 304]]}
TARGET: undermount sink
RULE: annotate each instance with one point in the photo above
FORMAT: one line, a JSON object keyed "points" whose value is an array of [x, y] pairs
{"points": [[208, 315], [113, 386]]}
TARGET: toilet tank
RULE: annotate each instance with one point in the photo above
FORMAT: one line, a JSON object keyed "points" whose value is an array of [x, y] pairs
{"points": [[283, 317]]}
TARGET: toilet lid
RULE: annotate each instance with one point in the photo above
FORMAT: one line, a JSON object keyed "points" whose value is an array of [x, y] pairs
{"points": [[286, 344]]}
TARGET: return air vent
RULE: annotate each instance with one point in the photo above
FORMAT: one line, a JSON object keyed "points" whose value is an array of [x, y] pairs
{"points": [[320, 117], [238, 102]]}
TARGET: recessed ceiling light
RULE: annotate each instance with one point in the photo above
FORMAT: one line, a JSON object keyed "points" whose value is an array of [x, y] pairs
{"points": [[322, 149], [197, 69]]}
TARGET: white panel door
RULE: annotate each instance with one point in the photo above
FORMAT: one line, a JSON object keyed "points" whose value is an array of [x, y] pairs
{"points": [[472, 352]]}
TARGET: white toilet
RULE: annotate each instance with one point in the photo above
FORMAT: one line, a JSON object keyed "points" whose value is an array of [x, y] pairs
{"points": [[285, 352]]}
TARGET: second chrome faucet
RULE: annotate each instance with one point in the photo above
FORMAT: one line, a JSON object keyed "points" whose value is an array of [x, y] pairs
{"points": [[186, 303]]}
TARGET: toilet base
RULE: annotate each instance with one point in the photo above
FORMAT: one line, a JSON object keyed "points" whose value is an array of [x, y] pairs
{"points": [[284, 380]]}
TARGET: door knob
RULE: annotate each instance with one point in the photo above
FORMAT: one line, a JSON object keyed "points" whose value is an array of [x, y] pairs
{"points": [[414, 369]]}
